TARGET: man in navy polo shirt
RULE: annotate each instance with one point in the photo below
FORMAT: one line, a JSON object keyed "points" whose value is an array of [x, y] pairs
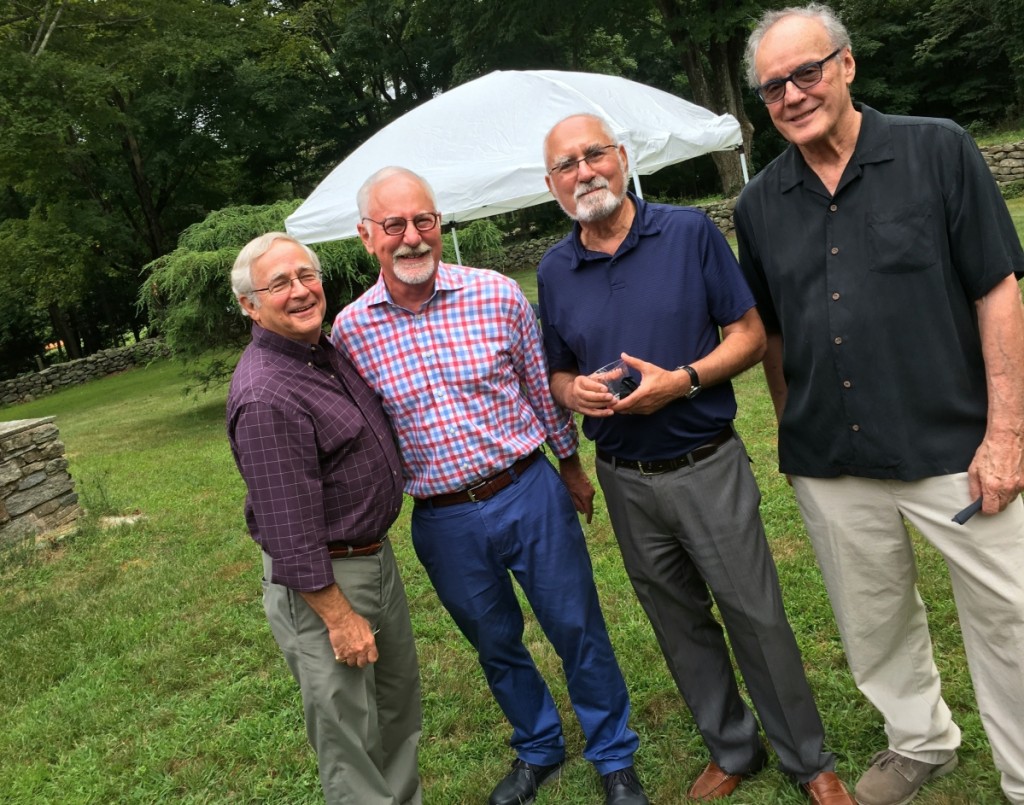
{"points": [[653, 284]]}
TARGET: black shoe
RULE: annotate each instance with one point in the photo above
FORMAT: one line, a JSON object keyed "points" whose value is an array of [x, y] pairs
{"points": [[623, 788], [520, 785]]}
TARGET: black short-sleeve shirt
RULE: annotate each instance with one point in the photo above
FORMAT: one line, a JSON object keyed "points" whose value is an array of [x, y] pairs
{"points": [[873, 290]]}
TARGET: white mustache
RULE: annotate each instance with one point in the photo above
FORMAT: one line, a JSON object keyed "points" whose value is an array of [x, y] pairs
{"points": [[412, 251], [597, 183]]}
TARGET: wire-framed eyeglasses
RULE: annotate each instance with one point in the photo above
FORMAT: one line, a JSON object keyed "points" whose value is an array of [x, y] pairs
{"points": [[282, 285], [593, 157], [423, 222], [803, 77]]}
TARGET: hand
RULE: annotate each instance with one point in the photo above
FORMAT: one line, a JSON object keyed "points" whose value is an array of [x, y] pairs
{"points": [[996, 474], [658, 387], [590, 397], [353, 641], [580, 489]]}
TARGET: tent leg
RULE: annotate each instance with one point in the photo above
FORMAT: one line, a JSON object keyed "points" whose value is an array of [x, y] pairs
{"points": [[455, 241], [636, 185]]}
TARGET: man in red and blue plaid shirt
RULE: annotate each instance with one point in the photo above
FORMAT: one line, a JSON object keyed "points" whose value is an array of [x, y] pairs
{"points": [[455, 355]]}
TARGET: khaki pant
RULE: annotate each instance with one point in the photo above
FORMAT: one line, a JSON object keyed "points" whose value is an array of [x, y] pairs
{"points": [[364, 723], [857, 528]]}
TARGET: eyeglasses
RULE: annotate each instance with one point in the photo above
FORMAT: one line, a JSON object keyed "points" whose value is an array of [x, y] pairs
{"points": [[423, 222], [593, 157], [307, 276], [803, 77]]}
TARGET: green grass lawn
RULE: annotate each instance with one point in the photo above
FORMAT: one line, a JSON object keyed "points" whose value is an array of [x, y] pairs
{"points": [[138, 667]]}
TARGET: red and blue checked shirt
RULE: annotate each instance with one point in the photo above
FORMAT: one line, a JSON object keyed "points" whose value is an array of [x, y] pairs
{"points": [[464, 380]]}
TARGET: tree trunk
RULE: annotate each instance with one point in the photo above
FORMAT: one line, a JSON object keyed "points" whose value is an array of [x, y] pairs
{"points": [[715, 71], [64, 332]]}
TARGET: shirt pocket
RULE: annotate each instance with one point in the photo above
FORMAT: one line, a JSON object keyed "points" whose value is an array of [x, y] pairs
{"points": [[902, 240]]}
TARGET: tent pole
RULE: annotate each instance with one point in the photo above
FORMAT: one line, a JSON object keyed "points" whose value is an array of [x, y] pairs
{"points": [[743, 165], [636, 185], [455, 241]]}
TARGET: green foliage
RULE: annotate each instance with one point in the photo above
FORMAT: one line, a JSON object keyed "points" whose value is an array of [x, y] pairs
{"points": [[481, 243], [187, 293]]}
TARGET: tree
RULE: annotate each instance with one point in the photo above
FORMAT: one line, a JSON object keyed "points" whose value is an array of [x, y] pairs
{"points": [[188, 297]]}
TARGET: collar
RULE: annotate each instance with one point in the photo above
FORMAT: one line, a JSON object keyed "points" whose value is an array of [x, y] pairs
{"points": [[446, 278], [644, 224], [874, 144], [300, 350]]}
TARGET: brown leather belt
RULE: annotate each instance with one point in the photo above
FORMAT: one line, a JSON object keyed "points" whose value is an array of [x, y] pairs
{"points": [[485, 489], [669, 464], [342, 550]]}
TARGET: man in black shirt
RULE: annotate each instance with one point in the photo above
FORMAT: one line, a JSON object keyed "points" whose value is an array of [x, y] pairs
{"points": [[883, 261]]}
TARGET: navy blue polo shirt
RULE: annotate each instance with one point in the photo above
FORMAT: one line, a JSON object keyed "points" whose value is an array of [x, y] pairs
{"points": [[873, 289], [661, 297]]}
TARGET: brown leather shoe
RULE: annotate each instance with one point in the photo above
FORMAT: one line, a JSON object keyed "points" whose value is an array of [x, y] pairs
{"points": [[713, 783], [828, 789]]}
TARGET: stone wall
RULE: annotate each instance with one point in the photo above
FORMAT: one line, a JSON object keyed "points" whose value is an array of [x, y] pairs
{"points": [[27, 387], [1005, 161], [37, 494]]}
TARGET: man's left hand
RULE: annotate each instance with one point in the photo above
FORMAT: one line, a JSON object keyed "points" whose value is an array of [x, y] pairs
{"points": [[576, 481], [996, 474]]}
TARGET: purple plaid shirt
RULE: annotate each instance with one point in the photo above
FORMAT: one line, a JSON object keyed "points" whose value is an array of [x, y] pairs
{"points": [[464, 380], [316, 451]]}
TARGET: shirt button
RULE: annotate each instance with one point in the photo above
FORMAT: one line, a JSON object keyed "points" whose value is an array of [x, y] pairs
{"points": [[838, 340], [835, 295], [833, 207], [855, 427], [835, 250], [847, 384]]}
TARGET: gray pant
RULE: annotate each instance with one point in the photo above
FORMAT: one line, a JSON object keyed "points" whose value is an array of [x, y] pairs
{"points": [[695, 528], [364, 723]]}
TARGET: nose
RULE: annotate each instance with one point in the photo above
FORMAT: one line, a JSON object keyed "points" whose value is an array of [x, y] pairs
{"points": [[411, 236], [792, 87], [584, 171]]}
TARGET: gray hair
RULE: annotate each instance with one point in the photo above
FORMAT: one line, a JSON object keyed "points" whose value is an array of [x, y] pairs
{"points": [[241, 271], [835, 29], [363, 194], [606, 129]]}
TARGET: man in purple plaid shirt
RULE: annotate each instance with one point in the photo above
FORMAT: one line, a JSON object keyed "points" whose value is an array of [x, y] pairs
{"points": [[455, 354], [319, 459]]}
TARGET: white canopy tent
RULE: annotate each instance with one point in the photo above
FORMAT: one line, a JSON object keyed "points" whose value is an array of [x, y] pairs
{"points": [[480, 144]]}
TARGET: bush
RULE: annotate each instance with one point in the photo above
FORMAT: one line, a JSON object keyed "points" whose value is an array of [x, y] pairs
{"points": [[188, 297]]}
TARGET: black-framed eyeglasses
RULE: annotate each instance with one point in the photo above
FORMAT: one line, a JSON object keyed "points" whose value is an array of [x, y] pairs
{"points": [[282, 285], [423, 222], [592, 156], [803, 77]]}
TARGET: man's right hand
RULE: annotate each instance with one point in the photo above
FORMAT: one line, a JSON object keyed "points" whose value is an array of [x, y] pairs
{"points": [[582, 394]]}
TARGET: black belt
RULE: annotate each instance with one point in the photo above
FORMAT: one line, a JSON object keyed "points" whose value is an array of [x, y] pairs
{"points": [[485, 489], [342, 550], [669, 464]]}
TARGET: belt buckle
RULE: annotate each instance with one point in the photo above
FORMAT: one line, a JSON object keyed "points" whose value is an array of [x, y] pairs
{"points": [[640, 466], [471, 491]]}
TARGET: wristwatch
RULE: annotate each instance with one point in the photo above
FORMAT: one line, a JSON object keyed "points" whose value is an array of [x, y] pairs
{"points": [[694, 381]]}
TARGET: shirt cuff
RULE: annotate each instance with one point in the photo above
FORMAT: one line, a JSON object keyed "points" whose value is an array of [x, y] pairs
{"points": [[566, 440]]}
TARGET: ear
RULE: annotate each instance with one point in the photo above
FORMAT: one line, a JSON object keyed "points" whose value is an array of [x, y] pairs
{"points": [[547, 181], [364, 236], [625, 158], [250, 308], [849, 66]]}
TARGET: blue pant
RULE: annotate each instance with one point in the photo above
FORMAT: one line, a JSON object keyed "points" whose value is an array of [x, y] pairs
{"points": [[531, 530]]}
